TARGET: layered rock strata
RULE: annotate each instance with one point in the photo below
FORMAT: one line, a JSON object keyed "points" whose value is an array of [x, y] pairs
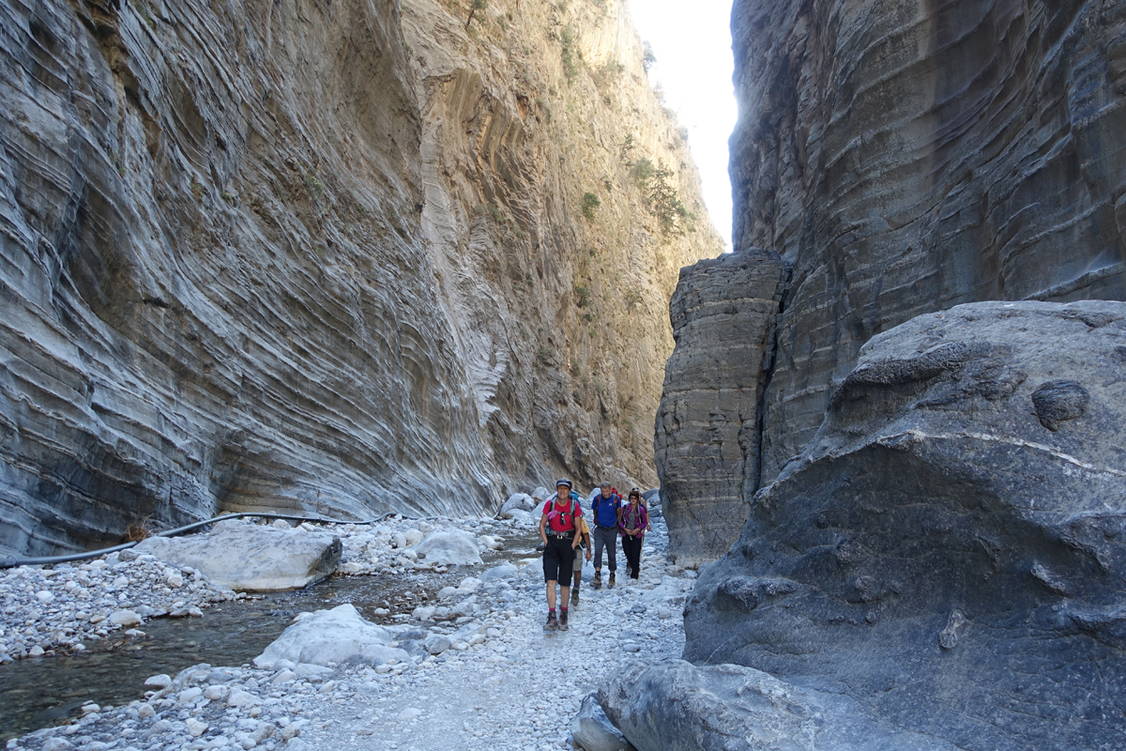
{"points": [[708, 424], [338, 259], [910, 156], [948, 550], [903, 158]]}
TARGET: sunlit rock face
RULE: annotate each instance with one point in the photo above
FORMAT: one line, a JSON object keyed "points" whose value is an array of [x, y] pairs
{"points": [[262, 255], [907, 156]]}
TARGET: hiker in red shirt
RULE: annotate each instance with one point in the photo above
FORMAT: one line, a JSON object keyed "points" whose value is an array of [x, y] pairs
{"points": [[557, 530]]}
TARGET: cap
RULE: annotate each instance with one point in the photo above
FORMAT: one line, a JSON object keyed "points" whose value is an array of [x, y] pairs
{"points": [[563, 481]]}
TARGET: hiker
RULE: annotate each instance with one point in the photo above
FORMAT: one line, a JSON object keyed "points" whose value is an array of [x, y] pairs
{"points": [[557, 531], [633, 520], [581, 545], [604, 509]]}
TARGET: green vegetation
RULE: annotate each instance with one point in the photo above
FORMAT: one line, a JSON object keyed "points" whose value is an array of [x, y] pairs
{"points": [[642, 171], [582, 293], [590, 203], [474, 7], [665, 204], [568, 54]]}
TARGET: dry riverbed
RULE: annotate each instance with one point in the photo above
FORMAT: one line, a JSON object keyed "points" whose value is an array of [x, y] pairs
{"points": [[476, 668]]}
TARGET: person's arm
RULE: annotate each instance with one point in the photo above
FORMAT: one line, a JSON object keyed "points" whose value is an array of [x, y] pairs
{"points": [[543, 523]]}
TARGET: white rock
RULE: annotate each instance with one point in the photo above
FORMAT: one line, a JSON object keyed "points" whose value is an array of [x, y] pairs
{"points": [[449, 547], [174, 579], [194, 726], [333, 637], [36, 651], [44, 596], [124, 618], [244, 556], [145, 711], [500, 572], [189, 695], [163, 680], [57, 744], [90, 708], [216, 692], [240, 698], [412, 536], [410, 714]]}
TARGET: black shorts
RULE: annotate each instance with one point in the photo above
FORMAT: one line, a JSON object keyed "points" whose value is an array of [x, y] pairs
{"points": [[558, 557]]}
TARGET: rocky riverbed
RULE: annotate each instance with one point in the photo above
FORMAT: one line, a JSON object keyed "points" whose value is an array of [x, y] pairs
{"points": [[466, 666]]}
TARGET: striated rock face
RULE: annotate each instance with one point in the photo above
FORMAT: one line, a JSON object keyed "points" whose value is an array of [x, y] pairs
{"points": [[708, 427], [948, 551], [909, 156], [901, 158], [273, 255]]}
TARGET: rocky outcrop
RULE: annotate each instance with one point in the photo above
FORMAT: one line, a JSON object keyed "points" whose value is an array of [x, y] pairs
{"points": [[708, 424], [347, 259], [910, 156], [676, 705], [947, 551], [249, 557], [902, 158]]}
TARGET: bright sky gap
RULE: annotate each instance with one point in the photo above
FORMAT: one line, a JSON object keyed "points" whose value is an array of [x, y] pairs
{"points": [[692, 43]]}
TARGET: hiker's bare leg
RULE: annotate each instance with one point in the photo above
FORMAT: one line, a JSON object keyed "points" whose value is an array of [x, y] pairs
{"points": [[551, 595], [564, 593]]}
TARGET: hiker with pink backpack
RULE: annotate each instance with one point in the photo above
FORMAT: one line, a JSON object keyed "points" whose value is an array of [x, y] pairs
{"points": [[557, 531]]}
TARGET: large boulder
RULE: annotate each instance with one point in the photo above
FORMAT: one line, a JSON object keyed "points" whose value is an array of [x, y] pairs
{"points": [[734, 708], [949, 549], [250, 557], [592, 730], [449, 547], [339, 636]]}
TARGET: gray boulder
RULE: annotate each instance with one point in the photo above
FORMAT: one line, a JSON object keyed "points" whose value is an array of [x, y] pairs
{"points": [[679, 707], [592, 730], [250, 557], [948, 550]]}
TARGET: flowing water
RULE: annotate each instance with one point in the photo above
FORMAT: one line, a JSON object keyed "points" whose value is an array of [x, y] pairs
{"points": [[41, 691]]}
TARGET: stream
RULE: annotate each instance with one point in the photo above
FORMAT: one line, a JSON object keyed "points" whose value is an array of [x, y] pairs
{"points": [[41, 691]]}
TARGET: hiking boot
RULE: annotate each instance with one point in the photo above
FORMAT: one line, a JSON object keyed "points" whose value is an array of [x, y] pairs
{"points": [[596, 582], [611, 582], [552, 623], [563, 619], [575, 595]]}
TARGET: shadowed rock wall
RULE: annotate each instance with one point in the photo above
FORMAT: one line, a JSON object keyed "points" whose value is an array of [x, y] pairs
{"points": [[902, 158], [708, 425], [948, 550], [321, 257], [912, 155]]}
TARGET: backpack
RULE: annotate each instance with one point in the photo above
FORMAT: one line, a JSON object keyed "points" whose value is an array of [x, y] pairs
{"points": [[562, 517]]}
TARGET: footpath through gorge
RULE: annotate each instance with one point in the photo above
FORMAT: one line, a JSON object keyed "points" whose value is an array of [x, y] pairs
{"points": [[451, 655]]}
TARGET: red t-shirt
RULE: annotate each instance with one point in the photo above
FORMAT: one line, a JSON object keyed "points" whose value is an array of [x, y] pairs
{"points": [[562, 518]]}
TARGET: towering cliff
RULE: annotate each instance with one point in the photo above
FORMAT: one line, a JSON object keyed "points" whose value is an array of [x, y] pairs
{"points": [[335, 257], [913, 155], [902, 158]]}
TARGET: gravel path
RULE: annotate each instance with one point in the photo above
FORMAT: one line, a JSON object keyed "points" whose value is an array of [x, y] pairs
{"points": [[522, 687], [498, 682]]}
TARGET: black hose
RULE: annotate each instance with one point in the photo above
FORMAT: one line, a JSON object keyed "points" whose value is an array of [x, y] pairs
{"points": [[46, 560]]}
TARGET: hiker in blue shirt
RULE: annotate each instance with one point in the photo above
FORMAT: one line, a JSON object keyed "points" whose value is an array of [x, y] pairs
{"points": [[604, 509]]}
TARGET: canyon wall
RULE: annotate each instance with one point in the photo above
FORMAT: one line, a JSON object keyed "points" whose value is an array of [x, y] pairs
{"points": [[338, 258], [902, 158]]}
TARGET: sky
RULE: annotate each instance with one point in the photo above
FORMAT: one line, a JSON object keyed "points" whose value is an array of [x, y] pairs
{"points": [[692, 43]]}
